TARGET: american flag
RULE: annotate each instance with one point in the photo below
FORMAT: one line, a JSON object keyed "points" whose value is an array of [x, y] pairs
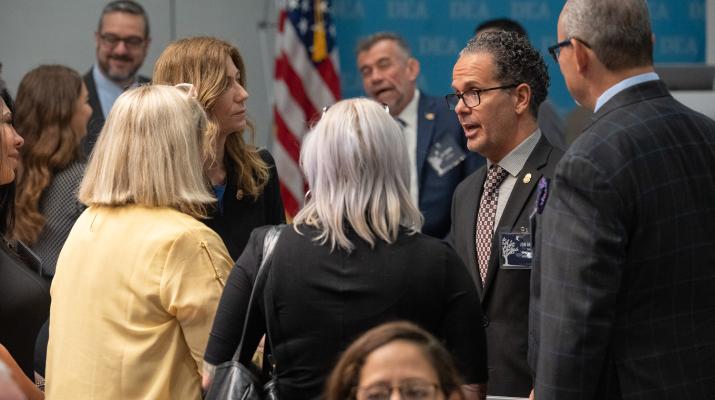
{"points": [[306, 80]]}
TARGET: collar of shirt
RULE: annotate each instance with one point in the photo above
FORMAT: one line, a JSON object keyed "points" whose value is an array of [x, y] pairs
{"points": [[107, 90], [409, 114], [623, 85], [514, 162]]}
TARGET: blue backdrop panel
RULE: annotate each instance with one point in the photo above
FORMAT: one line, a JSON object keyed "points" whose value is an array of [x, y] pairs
{"points": [[437, 29]]}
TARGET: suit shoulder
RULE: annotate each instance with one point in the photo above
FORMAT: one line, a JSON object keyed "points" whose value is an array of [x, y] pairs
{"points": [[470, 182]]}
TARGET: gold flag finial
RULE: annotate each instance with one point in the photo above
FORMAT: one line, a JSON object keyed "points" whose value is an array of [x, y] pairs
{"points": [[320, 41]]}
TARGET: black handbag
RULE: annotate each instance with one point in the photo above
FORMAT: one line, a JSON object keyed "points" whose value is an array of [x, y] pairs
{"points": [[233, 380]]}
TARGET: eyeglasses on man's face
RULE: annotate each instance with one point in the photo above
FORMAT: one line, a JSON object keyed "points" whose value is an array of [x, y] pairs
{"points": [[555, 50], [410, 390], [471, 97], [112, 40]]}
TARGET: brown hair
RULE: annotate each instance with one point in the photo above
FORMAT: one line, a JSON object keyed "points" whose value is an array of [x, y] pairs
{"points": [[345, 377], [44, 109], [201, 61]]}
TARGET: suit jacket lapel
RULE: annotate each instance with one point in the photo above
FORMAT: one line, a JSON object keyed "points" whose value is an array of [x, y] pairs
{"points": [[425, 131], [518, 202]]}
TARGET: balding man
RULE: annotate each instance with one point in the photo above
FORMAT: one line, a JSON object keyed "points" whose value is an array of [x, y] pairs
{"points": [[624, 307]]}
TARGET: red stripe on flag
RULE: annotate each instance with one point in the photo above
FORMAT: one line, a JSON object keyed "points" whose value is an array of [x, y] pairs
{"points": [[326, 69], [287, 139], [285, 73], [289, 202]]}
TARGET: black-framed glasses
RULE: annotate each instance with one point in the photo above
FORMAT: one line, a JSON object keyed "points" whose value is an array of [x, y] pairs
{"points": [[409, 390], [472, 97], [112, 40], [555, 50]]}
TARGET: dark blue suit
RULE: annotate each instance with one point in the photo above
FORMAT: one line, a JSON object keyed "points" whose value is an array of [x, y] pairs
{"points": [[436, 123]]}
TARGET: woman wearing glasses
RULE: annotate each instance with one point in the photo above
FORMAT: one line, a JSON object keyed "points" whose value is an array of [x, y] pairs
{"points": [[396, 356], [353, 259], [244, 178]]}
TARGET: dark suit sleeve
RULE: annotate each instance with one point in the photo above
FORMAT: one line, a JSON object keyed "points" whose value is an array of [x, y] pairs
{"points": [[450, 236], [462, 322], [583, 256]]}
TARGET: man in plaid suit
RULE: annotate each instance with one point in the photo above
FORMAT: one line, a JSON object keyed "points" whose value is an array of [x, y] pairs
{"points": [[622, 299]]}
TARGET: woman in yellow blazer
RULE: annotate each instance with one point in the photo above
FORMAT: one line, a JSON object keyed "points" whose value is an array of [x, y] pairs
{"points": [[139, 277]]}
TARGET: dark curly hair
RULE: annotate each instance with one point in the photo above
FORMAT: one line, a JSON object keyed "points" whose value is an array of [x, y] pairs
{"points": [[515, 60]]}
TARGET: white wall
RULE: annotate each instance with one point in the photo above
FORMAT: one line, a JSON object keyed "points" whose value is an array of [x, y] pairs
{"points": [[34, 32]]}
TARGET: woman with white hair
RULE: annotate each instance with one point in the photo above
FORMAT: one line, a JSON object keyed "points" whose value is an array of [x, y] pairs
{"points": [[139, 277], [353, 259]]}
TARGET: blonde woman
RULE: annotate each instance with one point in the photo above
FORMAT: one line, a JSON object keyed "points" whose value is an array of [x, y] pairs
{"points": [[244, 178], [139, 277], [353, 259]]}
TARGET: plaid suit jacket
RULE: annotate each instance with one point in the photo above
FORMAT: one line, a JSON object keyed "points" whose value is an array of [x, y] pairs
{"points": [[626, 306]]}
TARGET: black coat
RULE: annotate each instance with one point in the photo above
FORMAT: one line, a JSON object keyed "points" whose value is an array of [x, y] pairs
{"points": [[24, 306], [240, 216]]}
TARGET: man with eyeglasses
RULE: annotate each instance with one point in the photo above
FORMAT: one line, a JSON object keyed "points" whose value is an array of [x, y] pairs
{"points": [[499, 82], [550, 122], [122, 39], [435, 142], [623, 303]]}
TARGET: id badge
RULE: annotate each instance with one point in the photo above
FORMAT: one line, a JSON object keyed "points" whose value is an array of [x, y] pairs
{"points": [[445, 155], [516, 250]]}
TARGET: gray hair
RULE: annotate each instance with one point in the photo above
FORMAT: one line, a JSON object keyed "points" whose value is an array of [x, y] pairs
{"points": [[516, 61], [125, 6], [618, 31], [366, 43], [356, 164]]}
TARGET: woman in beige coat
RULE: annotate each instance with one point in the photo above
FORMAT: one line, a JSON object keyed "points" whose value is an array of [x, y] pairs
{"points": [[139, 277]]}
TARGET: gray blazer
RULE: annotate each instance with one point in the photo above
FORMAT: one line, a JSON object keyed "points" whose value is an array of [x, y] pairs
{"points": [[625, 306]]}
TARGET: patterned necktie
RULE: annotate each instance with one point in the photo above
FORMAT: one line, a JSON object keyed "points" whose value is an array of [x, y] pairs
{"points": [[485, 217]]}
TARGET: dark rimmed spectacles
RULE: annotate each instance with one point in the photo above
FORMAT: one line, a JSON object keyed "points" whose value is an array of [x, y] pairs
{"points": [[112, 40], [411, 390], [555, 50], [471, 97]]}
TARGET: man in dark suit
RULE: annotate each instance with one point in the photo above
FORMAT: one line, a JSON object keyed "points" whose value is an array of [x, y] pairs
{"points": [[122, 39], [624, 307], [499, 82], [436, 142]]}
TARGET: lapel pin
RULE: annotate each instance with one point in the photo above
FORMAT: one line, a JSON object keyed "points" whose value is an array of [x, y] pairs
{"points": [[527, 178], [429, 116]]}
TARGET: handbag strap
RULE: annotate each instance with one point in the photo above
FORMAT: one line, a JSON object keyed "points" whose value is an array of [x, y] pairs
{"points": [[269, 243]]}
